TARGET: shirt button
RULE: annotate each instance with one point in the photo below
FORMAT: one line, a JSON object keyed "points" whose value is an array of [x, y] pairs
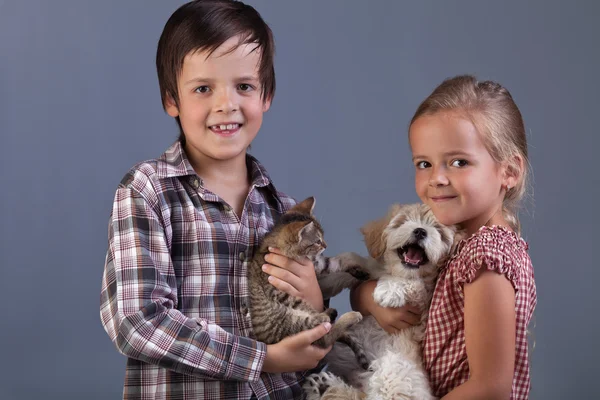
{"points": [[242, 256], [195, 183]]}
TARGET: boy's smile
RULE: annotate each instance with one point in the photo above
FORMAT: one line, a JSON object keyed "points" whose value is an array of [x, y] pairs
{"points": [[220, 102]]}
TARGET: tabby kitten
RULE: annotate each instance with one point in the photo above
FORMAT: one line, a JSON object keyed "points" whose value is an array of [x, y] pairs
{"points": [[276, 315]]}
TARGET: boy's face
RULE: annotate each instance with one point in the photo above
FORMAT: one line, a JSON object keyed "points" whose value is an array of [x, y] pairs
{"points": [[220, 104]]}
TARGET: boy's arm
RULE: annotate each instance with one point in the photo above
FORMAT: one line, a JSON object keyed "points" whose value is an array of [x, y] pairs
{"points": [[139, 296]]}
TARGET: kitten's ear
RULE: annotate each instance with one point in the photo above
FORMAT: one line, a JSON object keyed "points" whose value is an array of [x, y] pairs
{"points": [[306, 231], [374, 233], [306, 206]]}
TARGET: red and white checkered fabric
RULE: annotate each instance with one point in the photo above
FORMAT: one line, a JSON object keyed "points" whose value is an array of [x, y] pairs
{"points": [[445, 354]]}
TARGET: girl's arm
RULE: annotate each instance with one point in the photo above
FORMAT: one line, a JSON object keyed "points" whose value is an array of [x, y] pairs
{"points": [[490, 332], [390, 319]]}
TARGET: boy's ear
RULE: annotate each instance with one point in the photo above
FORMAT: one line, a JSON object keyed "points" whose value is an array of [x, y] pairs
{"points": [[267, 104], [171, 107]]}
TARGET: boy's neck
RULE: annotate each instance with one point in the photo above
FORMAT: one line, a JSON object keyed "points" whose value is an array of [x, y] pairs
{"points": [[228, 179], [231, 171]]}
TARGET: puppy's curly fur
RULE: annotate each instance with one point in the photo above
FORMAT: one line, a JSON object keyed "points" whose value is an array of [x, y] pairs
{"points": [[407, 247]]}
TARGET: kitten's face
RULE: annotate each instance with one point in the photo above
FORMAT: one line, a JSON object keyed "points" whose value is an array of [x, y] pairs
{"points": [[303, 233], [310, 240]]}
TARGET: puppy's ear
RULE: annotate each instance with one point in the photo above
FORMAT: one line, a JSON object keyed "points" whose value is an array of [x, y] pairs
{"points": [[374, 233]]}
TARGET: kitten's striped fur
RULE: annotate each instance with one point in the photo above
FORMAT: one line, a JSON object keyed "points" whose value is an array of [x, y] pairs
{"points": [[276, 315]]}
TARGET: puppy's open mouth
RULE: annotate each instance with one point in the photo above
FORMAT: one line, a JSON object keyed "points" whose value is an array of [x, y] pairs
{"points": [[412, 255]]}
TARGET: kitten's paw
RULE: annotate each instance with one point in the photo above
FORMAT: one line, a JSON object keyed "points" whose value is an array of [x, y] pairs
{"points": [[332, 313], [359, 273], [349, 319], [317, 384]]}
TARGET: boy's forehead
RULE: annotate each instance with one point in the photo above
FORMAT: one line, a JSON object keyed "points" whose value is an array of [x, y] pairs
{"points": [[230, 57]]}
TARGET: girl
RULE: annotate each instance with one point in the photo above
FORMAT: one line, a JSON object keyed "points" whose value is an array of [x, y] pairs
{"points": [[470, 155]]}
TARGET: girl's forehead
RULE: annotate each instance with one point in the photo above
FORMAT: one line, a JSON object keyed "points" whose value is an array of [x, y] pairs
{"points": [[445, 133]]}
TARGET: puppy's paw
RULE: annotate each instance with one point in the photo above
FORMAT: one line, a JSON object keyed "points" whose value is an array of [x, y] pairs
{"points": [[389, 294]]}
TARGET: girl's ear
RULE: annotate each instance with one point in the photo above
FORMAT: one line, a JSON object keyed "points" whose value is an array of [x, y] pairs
{"points": [[513, 171]]}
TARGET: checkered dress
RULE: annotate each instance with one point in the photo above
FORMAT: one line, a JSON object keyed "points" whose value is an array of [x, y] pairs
{"points": [[445, 354], [174, 289]]}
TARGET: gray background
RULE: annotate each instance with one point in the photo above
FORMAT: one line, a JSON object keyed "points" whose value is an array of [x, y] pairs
{"points": [[79, 105]]}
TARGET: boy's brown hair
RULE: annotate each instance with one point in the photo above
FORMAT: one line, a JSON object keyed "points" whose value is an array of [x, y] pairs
{"points": [[204, 25]]}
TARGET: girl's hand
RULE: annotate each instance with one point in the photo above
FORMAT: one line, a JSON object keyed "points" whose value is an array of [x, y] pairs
{"points": [[297, 279], [296, 352], [392, 320]]}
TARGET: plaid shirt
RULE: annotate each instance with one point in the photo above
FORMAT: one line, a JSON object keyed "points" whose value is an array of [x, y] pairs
{"points": [[174, 289], [445, 354]]}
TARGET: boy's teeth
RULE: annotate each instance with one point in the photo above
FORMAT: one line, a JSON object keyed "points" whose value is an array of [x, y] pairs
{"points": [[226, 127]]}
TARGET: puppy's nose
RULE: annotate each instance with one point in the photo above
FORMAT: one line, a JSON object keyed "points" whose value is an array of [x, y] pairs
{"points": [[420, 233]]}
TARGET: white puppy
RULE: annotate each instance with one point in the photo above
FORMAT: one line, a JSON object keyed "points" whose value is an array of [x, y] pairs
{"points": [[407, 247]]}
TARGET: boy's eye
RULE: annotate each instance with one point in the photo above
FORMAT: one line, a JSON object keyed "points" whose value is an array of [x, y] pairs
{"points": [[422, 165], [202, 89], [459, 163], [244, 87]]}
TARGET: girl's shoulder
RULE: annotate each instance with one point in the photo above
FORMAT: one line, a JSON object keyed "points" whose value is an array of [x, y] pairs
{"points": [[494, 247]]}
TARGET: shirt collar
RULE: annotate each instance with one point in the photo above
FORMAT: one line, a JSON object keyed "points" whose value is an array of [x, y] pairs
{"points": [[175, 163]]}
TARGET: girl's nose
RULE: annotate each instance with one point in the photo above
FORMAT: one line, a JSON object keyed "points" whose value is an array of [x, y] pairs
{"points": [[438, 177]]}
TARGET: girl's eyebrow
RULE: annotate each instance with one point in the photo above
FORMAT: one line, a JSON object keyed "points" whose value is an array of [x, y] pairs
{"points": [[454, 153], [457, 153]]}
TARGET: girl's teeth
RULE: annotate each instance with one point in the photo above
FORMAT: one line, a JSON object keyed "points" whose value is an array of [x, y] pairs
{"points": [[222, 127]]}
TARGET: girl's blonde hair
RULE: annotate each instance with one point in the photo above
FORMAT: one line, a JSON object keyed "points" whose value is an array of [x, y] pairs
{"points": [[493, 112]]}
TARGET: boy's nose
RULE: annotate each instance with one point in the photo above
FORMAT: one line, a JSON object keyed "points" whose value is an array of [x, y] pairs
{"points": [[225, 102]]}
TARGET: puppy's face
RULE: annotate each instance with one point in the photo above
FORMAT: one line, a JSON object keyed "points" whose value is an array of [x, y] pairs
{"points": [[409, 241]]}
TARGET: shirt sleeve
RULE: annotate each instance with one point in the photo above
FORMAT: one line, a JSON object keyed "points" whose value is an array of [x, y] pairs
{"points": [[139, 299], [492, 250]]}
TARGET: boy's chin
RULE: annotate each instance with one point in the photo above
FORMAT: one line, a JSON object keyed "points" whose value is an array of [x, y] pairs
{"points": [[230, 153]]}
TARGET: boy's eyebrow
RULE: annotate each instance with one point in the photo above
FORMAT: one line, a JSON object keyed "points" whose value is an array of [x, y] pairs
{"points": [[198, 80], [248, 78], [208, 80]]}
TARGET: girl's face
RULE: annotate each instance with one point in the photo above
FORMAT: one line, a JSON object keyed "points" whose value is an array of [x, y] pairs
{"points": [[455, 174]]}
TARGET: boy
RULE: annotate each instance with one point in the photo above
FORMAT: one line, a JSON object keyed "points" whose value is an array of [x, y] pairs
{"points": [[183, 226]]}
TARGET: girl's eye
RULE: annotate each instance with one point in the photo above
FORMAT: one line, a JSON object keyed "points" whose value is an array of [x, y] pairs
{"points": [[202, 89], [244, 87], [422, 165], [459, 163]]}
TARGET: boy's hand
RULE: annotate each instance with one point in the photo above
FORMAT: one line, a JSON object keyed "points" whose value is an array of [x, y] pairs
{"points": [[391, 319], [296, 352], [295, 278]]}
